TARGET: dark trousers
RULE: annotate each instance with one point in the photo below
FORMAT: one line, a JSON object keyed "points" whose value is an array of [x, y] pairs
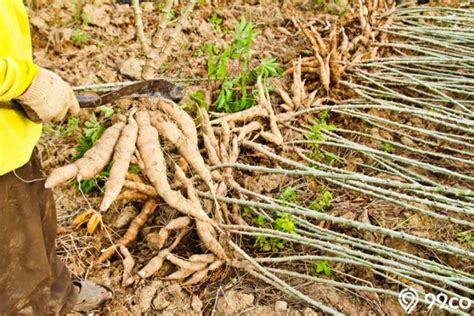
{"points": [[32, 278]]}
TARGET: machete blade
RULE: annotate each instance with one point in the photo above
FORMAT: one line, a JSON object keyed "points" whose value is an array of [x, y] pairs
{"points": [[148, 88]]}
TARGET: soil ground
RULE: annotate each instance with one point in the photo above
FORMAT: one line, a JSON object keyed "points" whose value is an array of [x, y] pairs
{"points": [[92, 42]]}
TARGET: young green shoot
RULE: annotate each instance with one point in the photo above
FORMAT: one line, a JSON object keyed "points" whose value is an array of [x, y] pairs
{"points": [[321, 267], [234, 93]]}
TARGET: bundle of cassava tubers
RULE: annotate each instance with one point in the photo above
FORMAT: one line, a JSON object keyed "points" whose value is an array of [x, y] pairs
{"points": [[137, 138], [337, 43]]}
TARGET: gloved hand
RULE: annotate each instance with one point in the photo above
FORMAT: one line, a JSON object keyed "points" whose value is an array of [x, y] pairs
{"points": [[48, 98]]}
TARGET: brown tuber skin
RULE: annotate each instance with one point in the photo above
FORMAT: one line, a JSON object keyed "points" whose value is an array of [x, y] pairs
{"points": [[245, 116], [154, 264], [248, 129], [208, 131], [297, 86], [93, 161], [132, 232], [179, 275], [275, 136], [186, 265], [141, 187], [96, 158], [131, 195], [123, 153], [155, 169], [128, 264], [204, 232], [207, 258], [184, 121], [177, 223], [197, 277], [186, 148], [61, 175]]}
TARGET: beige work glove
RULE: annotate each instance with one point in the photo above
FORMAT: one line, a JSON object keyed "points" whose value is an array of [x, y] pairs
{"points": [[48, 98]]}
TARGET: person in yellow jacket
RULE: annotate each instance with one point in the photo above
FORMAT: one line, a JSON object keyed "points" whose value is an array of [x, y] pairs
{"points": [[32, 278]]}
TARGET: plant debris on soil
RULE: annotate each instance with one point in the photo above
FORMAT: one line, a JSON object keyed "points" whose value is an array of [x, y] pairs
{"points": [[321, 161]]}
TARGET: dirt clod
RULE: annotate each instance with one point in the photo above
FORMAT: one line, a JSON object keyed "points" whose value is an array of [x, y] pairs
{"points": [[146, 296], [132, 68], [281, 307], [160, 302], [233, 302]]}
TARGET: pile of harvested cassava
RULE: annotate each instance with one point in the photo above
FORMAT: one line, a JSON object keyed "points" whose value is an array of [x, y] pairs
{"points": [[118, 144], [401, 83]]}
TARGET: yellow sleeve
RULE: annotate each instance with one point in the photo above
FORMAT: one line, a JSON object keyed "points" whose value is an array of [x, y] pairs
{"points": [[18, 135], [16, 59], [15, 77]]}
